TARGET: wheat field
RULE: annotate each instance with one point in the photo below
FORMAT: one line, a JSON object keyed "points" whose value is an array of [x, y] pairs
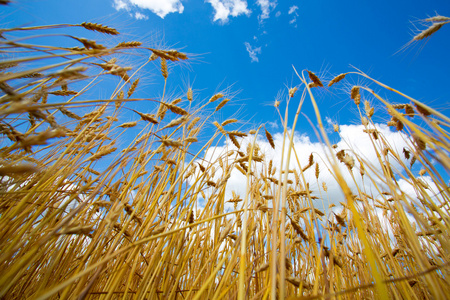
{"points": [[95, 205]]}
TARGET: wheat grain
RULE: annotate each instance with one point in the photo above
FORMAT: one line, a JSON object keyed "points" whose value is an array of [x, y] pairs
{"points": [[100, 28], [392, 123], [235, 141], [437, 18], [9, 170], [132, 44], [369, 110], [161, 111], [349, 161], [220, 128], [222, 104], [132, 88], [41, 138], [237, 133], [176, 101], [63, 93], [292, 92], [176, 122], [364, 121], [324, 186], [355, 95], [269, 169], [164, 69], [211, 183], [190, 94], [314, 79], [336, 127], [262, 268], [409, 110], [216, 97], [398, 106], [89, 44], [422, 110], [229, 121], [175, 109], [224, 233], [176, 54], [299, 230], [128, 124], [399, 125], [147, 117], [420, 143], [429, 31], [193, 123], [190, 140], [276, 103], [163, 54], [171, 143], [101, 152], [337, 79], [69, 113], [269, 138]]}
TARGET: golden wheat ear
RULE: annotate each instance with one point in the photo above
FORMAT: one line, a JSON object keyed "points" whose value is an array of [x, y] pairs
{"points": [[437, 22], [337, 79], [99, 28], [426, 33], [315, 80]]}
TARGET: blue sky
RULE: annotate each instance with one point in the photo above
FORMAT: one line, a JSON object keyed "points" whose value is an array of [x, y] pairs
{"points": [[250, 48], [252, 45]]}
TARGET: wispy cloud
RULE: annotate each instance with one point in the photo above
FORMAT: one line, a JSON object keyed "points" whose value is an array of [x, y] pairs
{"points": [[226, 8], [140, 16], [293, 11], [253, 52], [266, 7], [273, 125], [159, 7]]}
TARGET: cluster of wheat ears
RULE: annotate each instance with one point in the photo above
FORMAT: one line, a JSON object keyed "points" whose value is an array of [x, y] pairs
{"points": [[84, 214]]}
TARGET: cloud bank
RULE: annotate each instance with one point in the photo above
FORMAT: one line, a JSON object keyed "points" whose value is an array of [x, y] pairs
{"points": [[353, 140]]}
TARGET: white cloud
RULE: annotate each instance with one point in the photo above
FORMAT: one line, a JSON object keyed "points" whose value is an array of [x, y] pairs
{"points": [[121, 4], [140, 16], [253, 52], [226, 8], [278, 14], [159, 7], [293, 11], [351, 137], [266, 7]]}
